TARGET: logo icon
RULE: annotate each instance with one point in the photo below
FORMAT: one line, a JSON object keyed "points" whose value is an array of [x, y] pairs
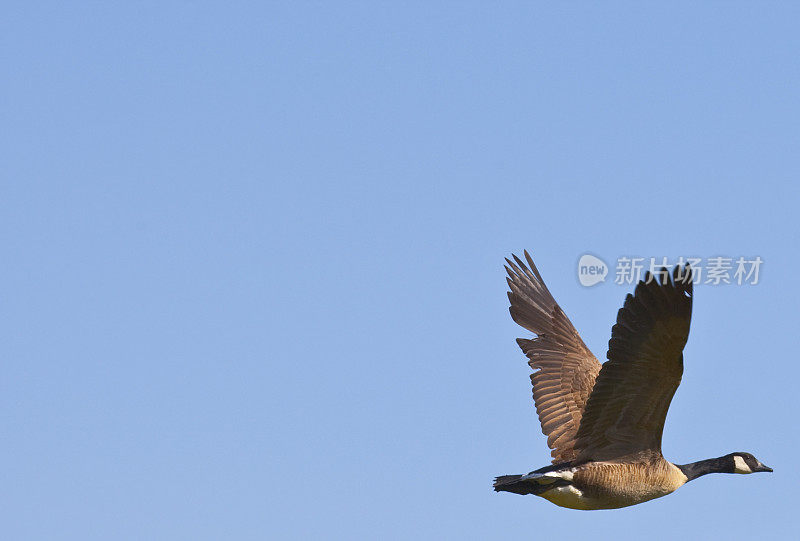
{"points": [[591, 270]]}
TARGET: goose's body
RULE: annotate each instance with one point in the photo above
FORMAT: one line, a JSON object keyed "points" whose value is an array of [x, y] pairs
{"points": [[604, 422], [599, 485]]}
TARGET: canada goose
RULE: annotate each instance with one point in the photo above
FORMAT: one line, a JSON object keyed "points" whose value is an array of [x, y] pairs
{"points": [[604, 423]]}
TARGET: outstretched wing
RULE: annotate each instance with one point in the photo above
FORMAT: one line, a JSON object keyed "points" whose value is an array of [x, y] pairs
{"points": [[625, 414], [565, 369]]}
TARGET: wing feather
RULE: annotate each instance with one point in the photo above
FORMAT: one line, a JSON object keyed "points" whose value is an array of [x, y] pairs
{"points": [[564, 368], [625, 413]]}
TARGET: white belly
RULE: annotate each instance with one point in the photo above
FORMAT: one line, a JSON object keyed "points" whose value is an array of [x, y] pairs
{"points": [[569, 497], [573, 498]]}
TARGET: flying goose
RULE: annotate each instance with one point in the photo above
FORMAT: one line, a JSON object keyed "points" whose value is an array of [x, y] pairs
{"points": [[604, 423]]}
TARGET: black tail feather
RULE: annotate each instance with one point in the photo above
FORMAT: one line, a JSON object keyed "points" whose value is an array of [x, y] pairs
{"points": [[504, 480], [512, 483]]}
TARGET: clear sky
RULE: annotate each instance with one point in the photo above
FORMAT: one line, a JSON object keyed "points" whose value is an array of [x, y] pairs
{"points": [[253, 287]]}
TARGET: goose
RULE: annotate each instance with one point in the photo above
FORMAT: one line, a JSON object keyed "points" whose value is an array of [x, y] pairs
{"points": [[604, 422]]}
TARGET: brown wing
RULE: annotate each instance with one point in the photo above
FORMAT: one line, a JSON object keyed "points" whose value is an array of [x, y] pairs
{"points": [[565, 369], [625, 414]]}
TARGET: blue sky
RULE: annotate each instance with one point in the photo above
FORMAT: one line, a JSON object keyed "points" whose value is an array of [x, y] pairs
{"points": [[253, 281]]}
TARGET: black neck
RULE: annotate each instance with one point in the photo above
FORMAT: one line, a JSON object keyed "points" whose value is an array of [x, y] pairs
{"points": [[723, 464]]}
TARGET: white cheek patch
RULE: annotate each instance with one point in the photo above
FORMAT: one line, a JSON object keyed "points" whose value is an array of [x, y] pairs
{"points": [[740, 466]]}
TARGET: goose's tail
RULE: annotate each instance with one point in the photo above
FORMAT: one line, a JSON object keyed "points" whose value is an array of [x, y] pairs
{"points": [[527, 484]]}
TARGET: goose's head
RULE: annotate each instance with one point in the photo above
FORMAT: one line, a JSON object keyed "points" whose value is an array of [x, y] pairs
{"points": [[745, 463]]}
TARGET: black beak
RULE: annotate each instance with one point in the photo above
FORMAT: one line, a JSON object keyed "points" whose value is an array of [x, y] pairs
{"points": [[762, 467]]}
